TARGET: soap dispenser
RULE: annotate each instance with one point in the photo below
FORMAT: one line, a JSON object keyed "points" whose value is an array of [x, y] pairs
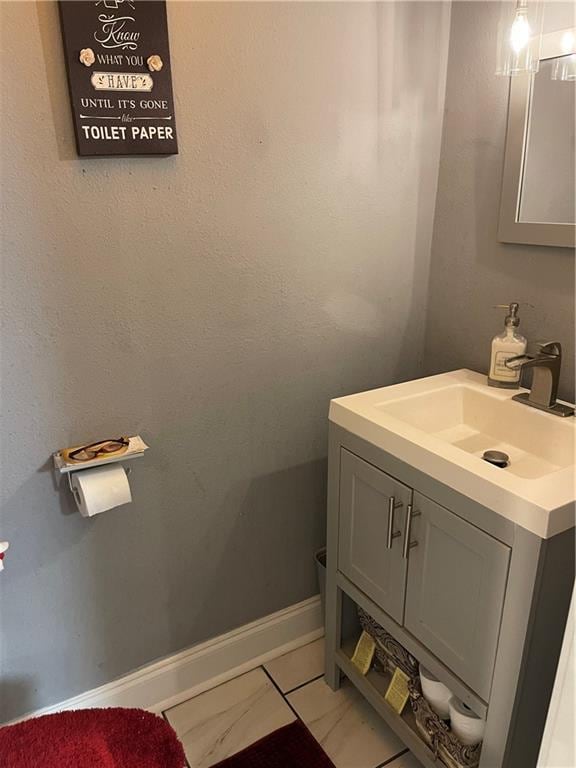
{"points": [[504, 346]]}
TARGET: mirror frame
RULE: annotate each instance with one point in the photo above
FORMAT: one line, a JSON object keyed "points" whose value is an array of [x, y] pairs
{"points": [[510, 230]]}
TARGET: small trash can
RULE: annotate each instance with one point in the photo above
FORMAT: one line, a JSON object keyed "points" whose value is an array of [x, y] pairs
{"points": [[350, 623], [320, 558]]}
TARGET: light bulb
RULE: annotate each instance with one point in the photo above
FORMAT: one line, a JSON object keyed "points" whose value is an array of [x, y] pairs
{"points": [[520, 32], [519, 37]]}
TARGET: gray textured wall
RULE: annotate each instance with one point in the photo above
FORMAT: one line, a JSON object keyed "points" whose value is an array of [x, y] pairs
{"points": [[212, 301], [470, 270]]}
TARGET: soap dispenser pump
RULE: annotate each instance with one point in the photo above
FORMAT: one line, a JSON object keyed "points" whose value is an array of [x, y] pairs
{"points": [[504, 346]]}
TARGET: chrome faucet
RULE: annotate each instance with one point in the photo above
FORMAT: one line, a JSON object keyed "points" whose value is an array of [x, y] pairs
{"points": [[545, 378]]}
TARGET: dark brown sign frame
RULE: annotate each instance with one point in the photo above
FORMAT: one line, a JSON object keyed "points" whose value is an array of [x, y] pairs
{"points": [[119, 76]]}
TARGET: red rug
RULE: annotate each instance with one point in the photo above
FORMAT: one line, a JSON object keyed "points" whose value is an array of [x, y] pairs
{"points": [[92, 738], [290, 747]]}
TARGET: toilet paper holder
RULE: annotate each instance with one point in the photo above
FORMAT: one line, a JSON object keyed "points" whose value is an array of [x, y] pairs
{"points": [[64, 466]]}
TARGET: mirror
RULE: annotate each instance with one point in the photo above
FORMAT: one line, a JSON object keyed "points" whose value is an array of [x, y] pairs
{"points": [[538, 187], [547, 193]]}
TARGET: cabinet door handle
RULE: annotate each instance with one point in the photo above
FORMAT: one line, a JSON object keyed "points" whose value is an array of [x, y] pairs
{"points": [[408, 545], [392, 534]]}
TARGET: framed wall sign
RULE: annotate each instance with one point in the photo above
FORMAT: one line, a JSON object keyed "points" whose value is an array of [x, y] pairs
{"points": [[118, 63]]}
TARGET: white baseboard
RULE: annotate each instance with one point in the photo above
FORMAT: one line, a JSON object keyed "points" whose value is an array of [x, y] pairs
{"points": [[168, 682]]}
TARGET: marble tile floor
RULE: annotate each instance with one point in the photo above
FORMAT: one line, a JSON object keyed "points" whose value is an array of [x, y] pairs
{"points": [[226, 719]]}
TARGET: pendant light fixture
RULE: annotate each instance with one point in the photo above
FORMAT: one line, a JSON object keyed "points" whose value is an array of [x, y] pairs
{"points": [[519, 37]]}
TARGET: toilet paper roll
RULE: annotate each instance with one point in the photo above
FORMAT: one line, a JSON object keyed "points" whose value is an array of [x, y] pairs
{"points": [[465, 723], [100, 488], [436, 693]]}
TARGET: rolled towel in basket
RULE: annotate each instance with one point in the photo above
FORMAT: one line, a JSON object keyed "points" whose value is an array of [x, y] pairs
{"points": [[436, 693], [465, 724]]}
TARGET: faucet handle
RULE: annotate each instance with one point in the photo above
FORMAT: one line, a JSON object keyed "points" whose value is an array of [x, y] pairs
{"points": [[551, 348]]}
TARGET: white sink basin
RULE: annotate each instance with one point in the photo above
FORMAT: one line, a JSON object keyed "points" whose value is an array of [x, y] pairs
{"points": [[477, 421], [443, 424]]}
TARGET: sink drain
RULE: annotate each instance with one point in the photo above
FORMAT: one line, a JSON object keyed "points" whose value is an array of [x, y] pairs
{"points": [[498, 458]]}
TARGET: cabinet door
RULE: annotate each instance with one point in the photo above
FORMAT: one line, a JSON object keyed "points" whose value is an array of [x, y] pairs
{"points": [[456, 583], [367, 555]]}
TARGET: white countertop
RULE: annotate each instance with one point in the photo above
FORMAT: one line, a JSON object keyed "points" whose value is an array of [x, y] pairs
{"points": [[537, 491]]}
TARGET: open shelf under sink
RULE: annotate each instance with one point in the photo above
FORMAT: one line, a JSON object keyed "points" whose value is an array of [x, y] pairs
{"points": [[373, 687]]}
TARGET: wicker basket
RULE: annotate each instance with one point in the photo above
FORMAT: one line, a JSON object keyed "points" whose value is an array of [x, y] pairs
{"points": [[435, 732], [389, 653]]}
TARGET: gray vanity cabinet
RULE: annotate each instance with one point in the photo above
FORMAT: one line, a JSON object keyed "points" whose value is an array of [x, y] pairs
{"points": [[477, 599], [456, 585], [372, 515]]}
